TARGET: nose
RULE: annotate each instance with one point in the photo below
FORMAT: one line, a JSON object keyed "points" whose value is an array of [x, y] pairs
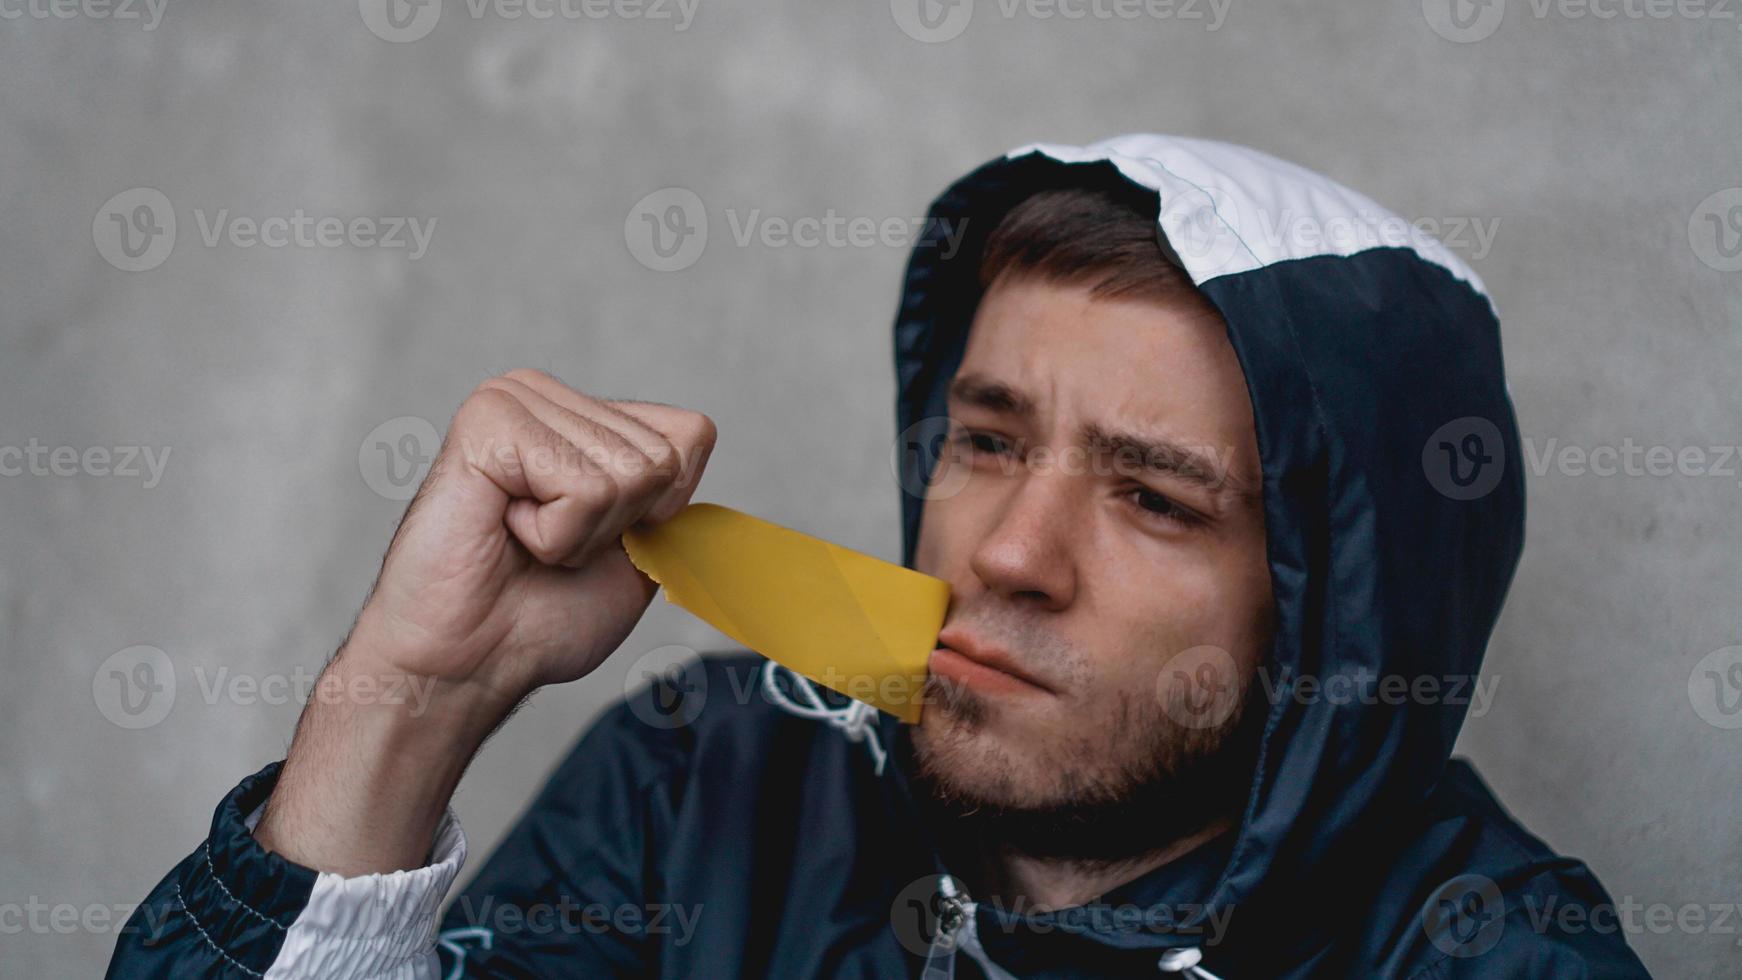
{"points": [[1028, 550]]}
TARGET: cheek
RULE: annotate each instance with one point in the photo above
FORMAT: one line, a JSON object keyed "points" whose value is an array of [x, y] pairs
{"points": [[948, 533], [938, 552], [1139, 622]]}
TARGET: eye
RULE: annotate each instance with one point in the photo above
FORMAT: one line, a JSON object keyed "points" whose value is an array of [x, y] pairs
{"points": [[1160, 507], [984, 442]]}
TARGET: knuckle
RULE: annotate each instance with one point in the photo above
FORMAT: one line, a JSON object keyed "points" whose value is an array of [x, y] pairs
{"points": [[529, 376], [703, 432], [488, 401], [500, 382], [659, 458], [595, 496]]}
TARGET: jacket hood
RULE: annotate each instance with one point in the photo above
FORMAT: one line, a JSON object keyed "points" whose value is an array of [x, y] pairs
{"points": [[1392, 480]]}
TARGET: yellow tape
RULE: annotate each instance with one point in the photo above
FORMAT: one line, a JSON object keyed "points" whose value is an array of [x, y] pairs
{"points": [[848, 621]]}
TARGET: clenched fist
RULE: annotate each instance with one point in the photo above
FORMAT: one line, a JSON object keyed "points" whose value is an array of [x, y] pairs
{"points": [[507, 573]]}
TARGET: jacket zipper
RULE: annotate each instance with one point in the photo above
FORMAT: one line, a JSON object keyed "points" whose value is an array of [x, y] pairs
{"points": [[954, 912]]}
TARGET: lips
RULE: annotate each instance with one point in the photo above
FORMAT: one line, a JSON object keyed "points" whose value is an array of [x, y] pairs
{"points": [[963, 657]]}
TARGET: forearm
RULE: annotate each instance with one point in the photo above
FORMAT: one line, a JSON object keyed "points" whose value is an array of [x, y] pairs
{"points": [[376, 757]]}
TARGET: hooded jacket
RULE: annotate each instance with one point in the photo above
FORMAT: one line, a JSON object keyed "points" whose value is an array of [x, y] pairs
{"points": [[728, 821]]}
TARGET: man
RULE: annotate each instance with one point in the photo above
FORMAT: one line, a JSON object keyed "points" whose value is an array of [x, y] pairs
{"points": [[1228, 511]]}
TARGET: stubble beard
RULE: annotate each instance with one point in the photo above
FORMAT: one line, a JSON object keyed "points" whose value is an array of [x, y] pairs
{"points": [[1134, 784]]}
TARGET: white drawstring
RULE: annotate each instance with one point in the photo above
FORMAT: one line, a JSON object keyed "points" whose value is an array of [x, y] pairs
{"points": [[856, 719], [1184, 961]]}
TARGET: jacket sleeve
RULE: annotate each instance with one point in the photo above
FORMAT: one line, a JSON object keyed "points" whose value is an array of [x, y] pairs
{"points": [[233, 909], [566, 894]]}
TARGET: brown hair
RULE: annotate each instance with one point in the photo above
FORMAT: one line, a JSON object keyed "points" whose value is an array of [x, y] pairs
{"points": [[1087, 238]]}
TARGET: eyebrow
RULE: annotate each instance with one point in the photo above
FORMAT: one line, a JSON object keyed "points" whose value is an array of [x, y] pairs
{"points": [[1158, 456]]}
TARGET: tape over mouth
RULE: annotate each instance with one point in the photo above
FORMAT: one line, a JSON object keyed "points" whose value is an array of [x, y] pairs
{"points": [[853, 623]]}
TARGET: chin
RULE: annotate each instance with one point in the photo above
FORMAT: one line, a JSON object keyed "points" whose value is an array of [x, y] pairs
{"points": [[969, 758]]}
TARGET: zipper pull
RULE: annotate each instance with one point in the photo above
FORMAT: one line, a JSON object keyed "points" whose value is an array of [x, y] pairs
{"points": [[953, 910]]}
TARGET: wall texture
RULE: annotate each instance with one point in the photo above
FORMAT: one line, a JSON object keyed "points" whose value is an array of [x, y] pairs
{"points": [[1573, 159]]}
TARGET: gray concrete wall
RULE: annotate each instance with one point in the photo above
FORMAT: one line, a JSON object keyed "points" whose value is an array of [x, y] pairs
{"points": [[1589, 147]]}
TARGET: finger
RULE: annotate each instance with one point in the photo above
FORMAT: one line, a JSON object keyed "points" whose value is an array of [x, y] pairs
{"points": [[652, 443], [692, 436], [552, 504], [678, 442], [607, 456]]}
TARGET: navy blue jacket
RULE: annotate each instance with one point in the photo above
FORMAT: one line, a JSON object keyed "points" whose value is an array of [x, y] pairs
{"points": [[745, 841]]}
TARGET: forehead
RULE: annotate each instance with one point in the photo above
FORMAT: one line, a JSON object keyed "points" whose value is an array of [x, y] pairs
{"points": [[1165, 367]]}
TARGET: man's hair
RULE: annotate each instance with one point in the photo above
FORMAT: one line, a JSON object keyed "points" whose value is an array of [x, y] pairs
{"points": [[1088, 238]]}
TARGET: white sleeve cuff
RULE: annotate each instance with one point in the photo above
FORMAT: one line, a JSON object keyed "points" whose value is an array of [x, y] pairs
{"points": [[380, 926]]}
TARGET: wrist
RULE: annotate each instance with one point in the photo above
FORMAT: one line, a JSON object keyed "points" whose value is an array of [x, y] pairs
{"points": [[411, 710]]}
